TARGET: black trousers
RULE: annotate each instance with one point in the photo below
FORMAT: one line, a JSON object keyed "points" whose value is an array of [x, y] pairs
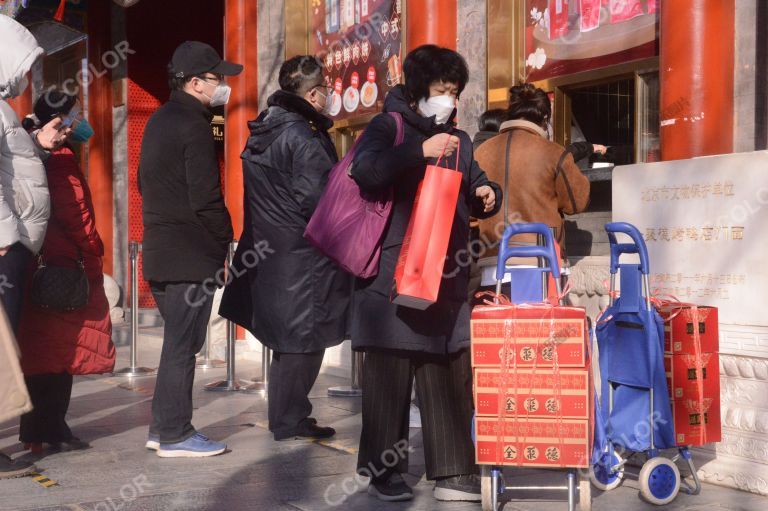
{"points": [[50, 395], [291, 377], [444, 391], [186, 309], [13, 269]]}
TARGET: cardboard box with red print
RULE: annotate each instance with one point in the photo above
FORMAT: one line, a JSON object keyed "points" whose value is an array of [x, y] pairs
{"points": [[541, 393], [697, 423], [528, 336], [533, 442], [684, 372], [679, 334]]}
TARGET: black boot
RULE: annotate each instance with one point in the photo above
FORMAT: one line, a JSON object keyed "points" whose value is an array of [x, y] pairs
{"points": [[307, 428]]}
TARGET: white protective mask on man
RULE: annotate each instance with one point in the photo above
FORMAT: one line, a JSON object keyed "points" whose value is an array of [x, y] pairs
{"points": [[220, 95], [326, 110], [440, 106]]}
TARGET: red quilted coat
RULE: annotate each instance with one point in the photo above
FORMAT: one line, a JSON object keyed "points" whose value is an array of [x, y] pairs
{"points": [[77, 342]]}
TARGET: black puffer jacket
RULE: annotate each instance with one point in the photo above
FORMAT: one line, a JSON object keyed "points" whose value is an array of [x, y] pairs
{"points": [[287, 294], [376, 322]]}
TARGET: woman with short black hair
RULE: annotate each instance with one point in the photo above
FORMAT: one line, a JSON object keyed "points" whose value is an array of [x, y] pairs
{"points": [[402, 343]]}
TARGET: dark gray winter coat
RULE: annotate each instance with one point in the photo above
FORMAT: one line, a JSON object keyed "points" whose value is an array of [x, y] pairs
{"points": [[377, 323], [288, 295]]}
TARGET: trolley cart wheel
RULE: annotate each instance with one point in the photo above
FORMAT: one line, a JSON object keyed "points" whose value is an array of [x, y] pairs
{"points": [[488, 490], [607, 478], [585, 492], [659, 481]]}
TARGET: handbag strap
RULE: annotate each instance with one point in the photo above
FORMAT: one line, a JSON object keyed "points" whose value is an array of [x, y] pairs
{"points": [[80, 260], [400, 133], [458, 153], [559, 171], [506, 179], [399, 138]]}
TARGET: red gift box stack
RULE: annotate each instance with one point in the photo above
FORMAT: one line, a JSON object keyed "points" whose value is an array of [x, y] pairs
{"points": [[691, 361], [532, 386]]}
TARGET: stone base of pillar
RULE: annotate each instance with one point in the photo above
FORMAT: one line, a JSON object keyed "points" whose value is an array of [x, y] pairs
{"points": [[587, 281], [736, 472]]}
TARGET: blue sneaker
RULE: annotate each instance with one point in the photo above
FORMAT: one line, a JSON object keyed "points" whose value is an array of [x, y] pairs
{"points": [[196, 446], [153, 442]]}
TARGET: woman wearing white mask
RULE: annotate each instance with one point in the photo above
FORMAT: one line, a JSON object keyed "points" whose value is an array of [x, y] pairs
{"points": [[401, 343]]}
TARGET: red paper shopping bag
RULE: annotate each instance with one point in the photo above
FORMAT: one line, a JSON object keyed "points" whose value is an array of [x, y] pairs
{"points": [[419, 268]]}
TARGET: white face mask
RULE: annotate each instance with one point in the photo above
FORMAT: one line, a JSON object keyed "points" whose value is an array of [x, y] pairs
{"points": [[220, 94], [326, 110], [440, 106]]}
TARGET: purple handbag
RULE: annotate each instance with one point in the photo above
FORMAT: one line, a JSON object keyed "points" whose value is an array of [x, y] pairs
{"points": [[348, 224]]}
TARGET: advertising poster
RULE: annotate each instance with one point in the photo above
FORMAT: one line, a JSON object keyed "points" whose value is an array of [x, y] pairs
{"points": [[703, 221], [359, 43], [568, 36]]}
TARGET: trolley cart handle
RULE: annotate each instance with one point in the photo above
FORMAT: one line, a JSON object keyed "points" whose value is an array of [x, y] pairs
{"points": [[636, 247], [546, 252]]}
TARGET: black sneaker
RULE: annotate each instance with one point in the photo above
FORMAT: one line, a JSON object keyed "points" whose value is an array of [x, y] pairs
{"points": [[73, 444], [10, 469], [392, 488], [464, 488]]}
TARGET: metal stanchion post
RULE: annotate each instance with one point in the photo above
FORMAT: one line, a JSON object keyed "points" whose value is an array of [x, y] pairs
{"points": [[134, 370], [205, 361], [355, 389], [266, 359], [231, 384]]}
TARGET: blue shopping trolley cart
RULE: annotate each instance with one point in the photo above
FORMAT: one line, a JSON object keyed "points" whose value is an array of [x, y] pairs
{"points": [[634, 413]]}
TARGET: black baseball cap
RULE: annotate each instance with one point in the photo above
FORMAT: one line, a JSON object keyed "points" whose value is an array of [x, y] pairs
{"points": [[193, 58]]}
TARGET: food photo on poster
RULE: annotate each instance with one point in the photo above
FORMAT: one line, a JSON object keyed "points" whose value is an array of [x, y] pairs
{"points": [[360, 44], [567, 36]]}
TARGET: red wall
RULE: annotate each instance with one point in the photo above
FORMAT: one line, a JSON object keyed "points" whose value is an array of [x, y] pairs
{"points": [[154, 30]]}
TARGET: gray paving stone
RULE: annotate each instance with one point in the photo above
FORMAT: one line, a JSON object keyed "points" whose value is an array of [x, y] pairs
{"points": [[118, 474]]}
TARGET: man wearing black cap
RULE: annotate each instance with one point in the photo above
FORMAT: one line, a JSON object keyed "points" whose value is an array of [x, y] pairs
{"points": [[187, 231]]}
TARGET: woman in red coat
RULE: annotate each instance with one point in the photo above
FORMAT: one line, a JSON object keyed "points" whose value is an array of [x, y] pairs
{"points": [[57, 345]]}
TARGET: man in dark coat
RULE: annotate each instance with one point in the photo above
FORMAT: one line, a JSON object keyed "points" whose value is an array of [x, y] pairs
{"points": [[285, 292], [187, 231]]}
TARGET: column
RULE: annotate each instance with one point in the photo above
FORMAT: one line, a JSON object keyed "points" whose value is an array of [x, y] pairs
{"points": [[697, 78], [240, 46], [431, 22], [472, 43], [99, 170]]}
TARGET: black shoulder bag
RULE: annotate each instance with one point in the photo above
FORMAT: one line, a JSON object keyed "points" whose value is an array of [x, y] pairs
{"points": [[60, 289]]}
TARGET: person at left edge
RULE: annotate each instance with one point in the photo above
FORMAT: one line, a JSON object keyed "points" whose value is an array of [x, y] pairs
{"points": [[286, 293], [187, 231], [24, 211], [57, 345]]}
